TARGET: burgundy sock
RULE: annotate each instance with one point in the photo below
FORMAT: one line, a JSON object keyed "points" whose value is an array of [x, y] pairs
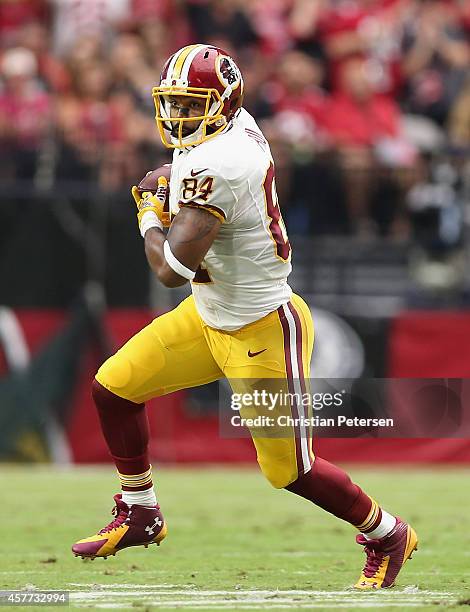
{"points": [[331, 488], [126, 430]]}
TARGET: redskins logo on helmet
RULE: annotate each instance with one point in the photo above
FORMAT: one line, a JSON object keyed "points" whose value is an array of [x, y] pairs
{"points": [[210, 76], [228, 72]]}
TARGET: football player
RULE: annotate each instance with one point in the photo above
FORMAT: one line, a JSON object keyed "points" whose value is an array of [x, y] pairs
{"points": [[242, 321]]}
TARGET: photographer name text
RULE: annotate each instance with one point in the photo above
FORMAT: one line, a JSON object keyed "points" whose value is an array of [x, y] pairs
{"points": [[313, 421]]}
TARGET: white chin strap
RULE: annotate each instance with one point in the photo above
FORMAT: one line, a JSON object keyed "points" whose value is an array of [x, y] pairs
{"points": [[188, 140]]}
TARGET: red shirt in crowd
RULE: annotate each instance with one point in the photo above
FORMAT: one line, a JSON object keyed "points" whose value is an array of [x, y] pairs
{"points": [[24, 118], [350, 17], [312, 102], [353, 123], [13, 15]]}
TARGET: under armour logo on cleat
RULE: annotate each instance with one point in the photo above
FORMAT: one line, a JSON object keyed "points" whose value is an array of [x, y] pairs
{"points": [[150, 529]]}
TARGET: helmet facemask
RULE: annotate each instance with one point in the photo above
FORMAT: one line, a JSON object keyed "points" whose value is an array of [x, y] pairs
{"points": [[172, 129]]}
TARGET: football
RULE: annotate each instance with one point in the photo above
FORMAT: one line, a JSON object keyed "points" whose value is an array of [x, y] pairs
{"points": [[149, 182]]}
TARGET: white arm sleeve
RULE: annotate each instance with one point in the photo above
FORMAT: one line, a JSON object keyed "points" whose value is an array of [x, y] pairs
{"points": [[176, 265]]}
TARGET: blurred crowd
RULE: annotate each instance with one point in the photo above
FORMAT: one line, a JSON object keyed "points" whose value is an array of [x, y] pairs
{"points": [[366, 103]]}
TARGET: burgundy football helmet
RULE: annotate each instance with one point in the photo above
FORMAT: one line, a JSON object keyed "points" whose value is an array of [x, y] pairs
{"points": [[212, 77]]}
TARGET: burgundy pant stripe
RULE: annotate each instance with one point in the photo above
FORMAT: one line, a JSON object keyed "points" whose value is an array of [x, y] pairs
{"points": [[298, 327], [290, 384]]}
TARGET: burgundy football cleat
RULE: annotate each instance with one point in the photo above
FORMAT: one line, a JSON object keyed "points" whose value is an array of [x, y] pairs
{"points": [[134, 526], [386, 557]]}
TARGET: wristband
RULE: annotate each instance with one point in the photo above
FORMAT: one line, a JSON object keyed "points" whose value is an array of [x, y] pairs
{"points": [[176, 265], [149, 219]]}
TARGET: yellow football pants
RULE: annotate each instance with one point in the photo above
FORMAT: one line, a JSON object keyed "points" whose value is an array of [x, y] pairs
{"points": [[178, 350]]}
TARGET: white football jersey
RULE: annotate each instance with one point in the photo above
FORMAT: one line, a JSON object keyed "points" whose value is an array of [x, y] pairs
{"points": [[243, 276]]}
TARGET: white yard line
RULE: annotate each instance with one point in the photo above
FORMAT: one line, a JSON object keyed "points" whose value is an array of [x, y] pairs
{"points": [[172, 596], [120, 585], [295, 605], [192, 590]]}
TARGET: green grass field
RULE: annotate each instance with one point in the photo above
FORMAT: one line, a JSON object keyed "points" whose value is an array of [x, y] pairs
{"points": [[234, 543]]}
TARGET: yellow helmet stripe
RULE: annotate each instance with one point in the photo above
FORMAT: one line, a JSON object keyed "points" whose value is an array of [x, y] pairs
{"points": [[178, 67]]}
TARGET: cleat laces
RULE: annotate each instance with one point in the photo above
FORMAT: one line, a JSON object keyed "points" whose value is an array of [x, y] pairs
{"points": [[120, 517], [374, 556]]}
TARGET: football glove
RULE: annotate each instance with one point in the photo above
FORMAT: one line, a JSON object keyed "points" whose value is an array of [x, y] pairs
{"points": [[157, 204]]}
